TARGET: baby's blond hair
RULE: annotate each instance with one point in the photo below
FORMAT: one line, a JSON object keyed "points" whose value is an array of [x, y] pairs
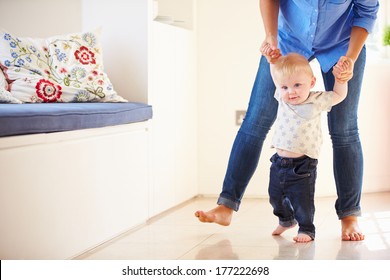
{"points": [[290, 64]]}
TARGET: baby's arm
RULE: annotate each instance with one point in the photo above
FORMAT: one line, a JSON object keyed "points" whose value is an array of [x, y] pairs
{"points": [[340, 87], [272, 57]]}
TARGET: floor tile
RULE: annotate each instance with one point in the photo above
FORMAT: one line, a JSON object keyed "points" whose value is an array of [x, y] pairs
{"points": [[177, 234]]}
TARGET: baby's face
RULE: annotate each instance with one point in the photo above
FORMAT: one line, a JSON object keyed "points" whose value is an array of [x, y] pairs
{"points": [[295, 89]]}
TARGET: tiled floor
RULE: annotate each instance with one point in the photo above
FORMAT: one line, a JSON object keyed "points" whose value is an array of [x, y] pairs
{"points": [[178, 235]]}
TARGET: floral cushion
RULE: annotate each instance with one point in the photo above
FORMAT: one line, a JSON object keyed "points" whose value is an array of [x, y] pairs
{"points": [[65, 68], [5, 95]]}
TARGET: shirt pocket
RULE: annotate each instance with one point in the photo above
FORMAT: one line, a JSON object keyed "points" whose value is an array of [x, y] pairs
{"points": [[334, 11]]}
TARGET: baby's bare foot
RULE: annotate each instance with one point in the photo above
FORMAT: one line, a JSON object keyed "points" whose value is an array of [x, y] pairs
{"points": [[302, 238], [221, 215], [279, 229], [350, 230]]}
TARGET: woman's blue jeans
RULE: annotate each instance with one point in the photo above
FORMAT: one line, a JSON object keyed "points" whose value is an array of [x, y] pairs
{"points": [[343, 129]]}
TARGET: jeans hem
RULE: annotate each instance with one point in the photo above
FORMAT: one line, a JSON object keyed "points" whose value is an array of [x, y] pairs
{"points": [[288, 223], [311, 234], [352, 212], [228, 203]]}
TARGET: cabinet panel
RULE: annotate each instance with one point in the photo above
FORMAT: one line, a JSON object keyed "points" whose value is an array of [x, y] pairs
{"points": [[172, 89], [162, 97]]}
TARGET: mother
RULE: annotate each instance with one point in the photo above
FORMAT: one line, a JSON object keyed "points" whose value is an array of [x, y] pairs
{"points": [[328, 30]]}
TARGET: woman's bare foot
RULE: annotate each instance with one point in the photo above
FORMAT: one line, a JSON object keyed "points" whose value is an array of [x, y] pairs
{"points": [[279, 229], [302, 238], [350, 230], [221, 215]]}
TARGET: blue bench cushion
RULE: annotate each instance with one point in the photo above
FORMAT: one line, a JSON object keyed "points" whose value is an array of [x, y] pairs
{"points": [[17, 119]]}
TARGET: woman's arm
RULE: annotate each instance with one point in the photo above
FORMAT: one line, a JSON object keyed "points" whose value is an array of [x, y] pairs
{"points": [[356, 43], [358, 38], [269, 10]]}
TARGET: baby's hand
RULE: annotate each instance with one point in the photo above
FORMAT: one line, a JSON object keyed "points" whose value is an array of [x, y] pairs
{"points": [[343, 70]]}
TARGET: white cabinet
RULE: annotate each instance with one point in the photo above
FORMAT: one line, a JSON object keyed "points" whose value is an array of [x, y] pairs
{"points": [[180, 12], [172, 93], [63, 193], [155, 62]]}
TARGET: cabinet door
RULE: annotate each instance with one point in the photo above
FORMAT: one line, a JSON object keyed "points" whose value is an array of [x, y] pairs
{"points": [[162, 98], [186, 115], [172, 88]]}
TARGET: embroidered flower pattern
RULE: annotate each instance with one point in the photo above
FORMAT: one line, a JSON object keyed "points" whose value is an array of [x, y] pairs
{"points": [[90, 39], [78, 73], [48, 91], [82, 96], [85, 56]]}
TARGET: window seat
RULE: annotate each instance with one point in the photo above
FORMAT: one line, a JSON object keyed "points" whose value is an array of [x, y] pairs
{"points": [[18, 119], [73, 176]]}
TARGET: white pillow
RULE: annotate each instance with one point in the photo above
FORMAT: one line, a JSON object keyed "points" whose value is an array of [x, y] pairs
{"points": [[5, 95], [64, 68]]}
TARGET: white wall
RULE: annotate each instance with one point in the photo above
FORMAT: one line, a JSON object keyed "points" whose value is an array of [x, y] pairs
{"points": [[125, 37], [374, 116], [40, 18], [229, 35]]}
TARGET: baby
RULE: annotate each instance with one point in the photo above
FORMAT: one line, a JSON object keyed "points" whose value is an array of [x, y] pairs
{"points": [[297, 140]]}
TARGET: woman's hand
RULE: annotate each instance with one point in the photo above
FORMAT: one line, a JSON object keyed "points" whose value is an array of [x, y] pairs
{"points": [[270, 50], [343, 70]]}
